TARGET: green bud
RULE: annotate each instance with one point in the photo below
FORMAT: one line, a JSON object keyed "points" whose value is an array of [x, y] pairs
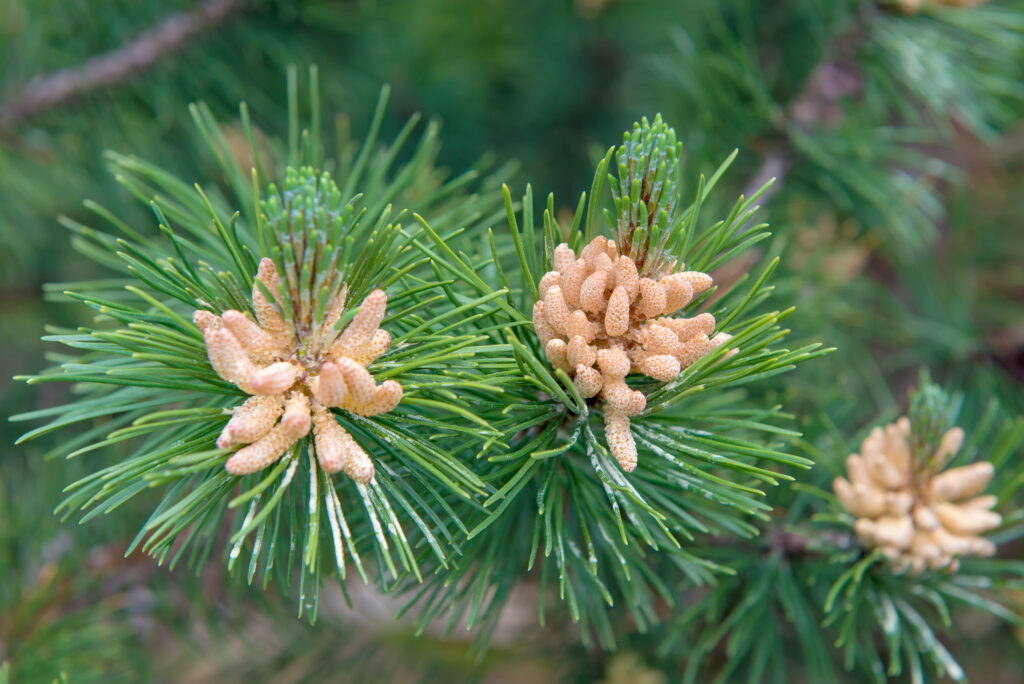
{"points": [[322, 298], [639, 240], [648, 167]]}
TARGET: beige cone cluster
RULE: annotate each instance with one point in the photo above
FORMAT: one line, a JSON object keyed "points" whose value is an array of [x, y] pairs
{"points": [[597, 310], [294, 380], [920, 519]]}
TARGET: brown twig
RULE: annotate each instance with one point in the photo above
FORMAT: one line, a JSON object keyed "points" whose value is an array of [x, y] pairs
{"points": [[110, 68], [817, 104], [788, 541]]}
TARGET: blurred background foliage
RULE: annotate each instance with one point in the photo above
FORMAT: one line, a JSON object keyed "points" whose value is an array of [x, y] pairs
{"points": [[899, 147]]}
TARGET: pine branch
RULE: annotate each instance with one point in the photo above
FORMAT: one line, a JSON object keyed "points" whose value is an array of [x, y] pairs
{"points": [[570, 504], [120, 64], [144, 364]]}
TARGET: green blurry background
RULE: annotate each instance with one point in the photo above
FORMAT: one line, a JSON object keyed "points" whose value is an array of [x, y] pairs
{"points": [[899, 148]]}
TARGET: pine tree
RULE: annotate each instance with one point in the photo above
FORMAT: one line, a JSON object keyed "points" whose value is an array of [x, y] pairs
{"points": [[333, 364]]}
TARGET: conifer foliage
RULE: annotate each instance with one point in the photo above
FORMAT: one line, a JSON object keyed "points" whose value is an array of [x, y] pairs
{"points": [[169, 374]]}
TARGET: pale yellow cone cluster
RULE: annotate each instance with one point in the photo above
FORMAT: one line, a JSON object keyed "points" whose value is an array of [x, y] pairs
{"points": [[918, 518], [599, 321], [295, 380]]}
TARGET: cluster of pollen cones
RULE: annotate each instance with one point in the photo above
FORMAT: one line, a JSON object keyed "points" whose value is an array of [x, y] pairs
{"points": [[596, 310], [294, 387], [918, 518]]}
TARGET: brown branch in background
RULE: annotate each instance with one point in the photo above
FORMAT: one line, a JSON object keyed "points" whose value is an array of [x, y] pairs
{"points": [[110, 68], [817, 104], [773, 167]]}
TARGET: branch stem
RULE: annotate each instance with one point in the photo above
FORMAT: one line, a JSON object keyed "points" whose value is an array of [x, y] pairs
{"points": [[111, 68]]}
